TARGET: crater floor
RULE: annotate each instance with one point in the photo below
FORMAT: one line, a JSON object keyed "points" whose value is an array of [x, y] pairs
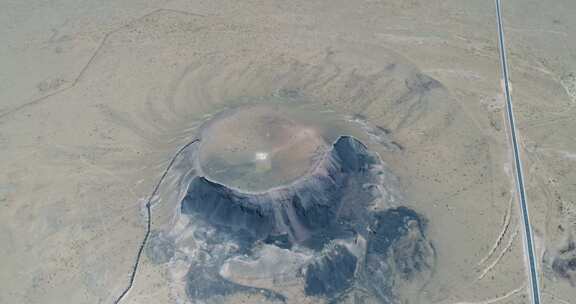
{"points": [[260, 147]]}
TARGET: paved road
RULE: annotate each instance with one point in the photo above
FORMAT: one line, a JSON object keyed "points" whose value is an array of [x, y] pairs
{"points": [[529, 242]]}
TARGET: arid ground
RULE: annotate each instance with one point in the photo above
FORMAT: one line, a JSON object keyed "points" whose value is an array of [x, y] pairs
{"points": [[398, 104]]}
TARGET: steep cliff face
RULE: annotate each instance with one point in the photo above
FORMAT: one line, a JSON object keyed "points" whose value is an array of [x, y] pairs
{"points": [[332, 224], [331, 273], [295, 213]]}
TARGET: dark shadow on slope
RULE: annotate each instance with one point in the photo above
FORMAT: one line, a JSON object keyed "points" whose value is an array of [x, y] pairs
{"points": [[321, 211]]}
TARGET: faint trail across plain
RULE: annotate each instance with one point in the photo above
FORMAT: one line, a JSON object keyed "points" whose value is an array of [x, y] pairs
{"points": [[149, 221]]}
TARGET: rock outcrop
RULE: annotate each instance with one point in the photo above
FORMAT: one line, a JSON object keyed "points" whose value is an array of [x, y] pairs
{"points": [[564, 263], [332, 273], [332, 223], [306, 210]]}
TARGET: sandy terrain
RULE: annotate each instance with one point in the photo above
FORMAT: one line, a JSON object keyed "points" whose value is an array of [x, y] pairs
{"points": [[97, 98], [541, 43]]}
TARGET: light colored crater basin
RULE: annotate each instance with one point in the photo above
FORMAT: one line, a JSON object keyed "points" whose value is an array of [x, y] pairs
{"points": [[258, 147]]}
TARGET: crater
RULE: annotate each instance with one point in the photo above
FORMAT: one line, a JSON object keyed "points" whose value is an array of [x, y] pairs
{"points": [[255, 148], [281, 207], [304, 212]]}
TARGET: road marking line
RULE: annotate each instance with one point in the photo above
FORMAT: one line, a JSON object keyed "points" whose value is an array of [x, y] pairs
{"points": [[529, 242]]}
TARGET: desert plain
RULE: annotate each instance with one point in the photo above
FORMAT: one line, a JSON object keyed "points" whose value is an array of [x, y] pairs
{"points": [[128, 122]]}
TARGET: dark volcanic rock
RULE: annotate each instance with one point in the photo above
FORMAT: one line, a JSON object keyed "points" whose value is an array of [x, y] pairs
{"points": [[334, 204], [564, 264], [390, 225], [281, 241], [307, 208], [397, 247], [332, 273], [204, 281]]}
